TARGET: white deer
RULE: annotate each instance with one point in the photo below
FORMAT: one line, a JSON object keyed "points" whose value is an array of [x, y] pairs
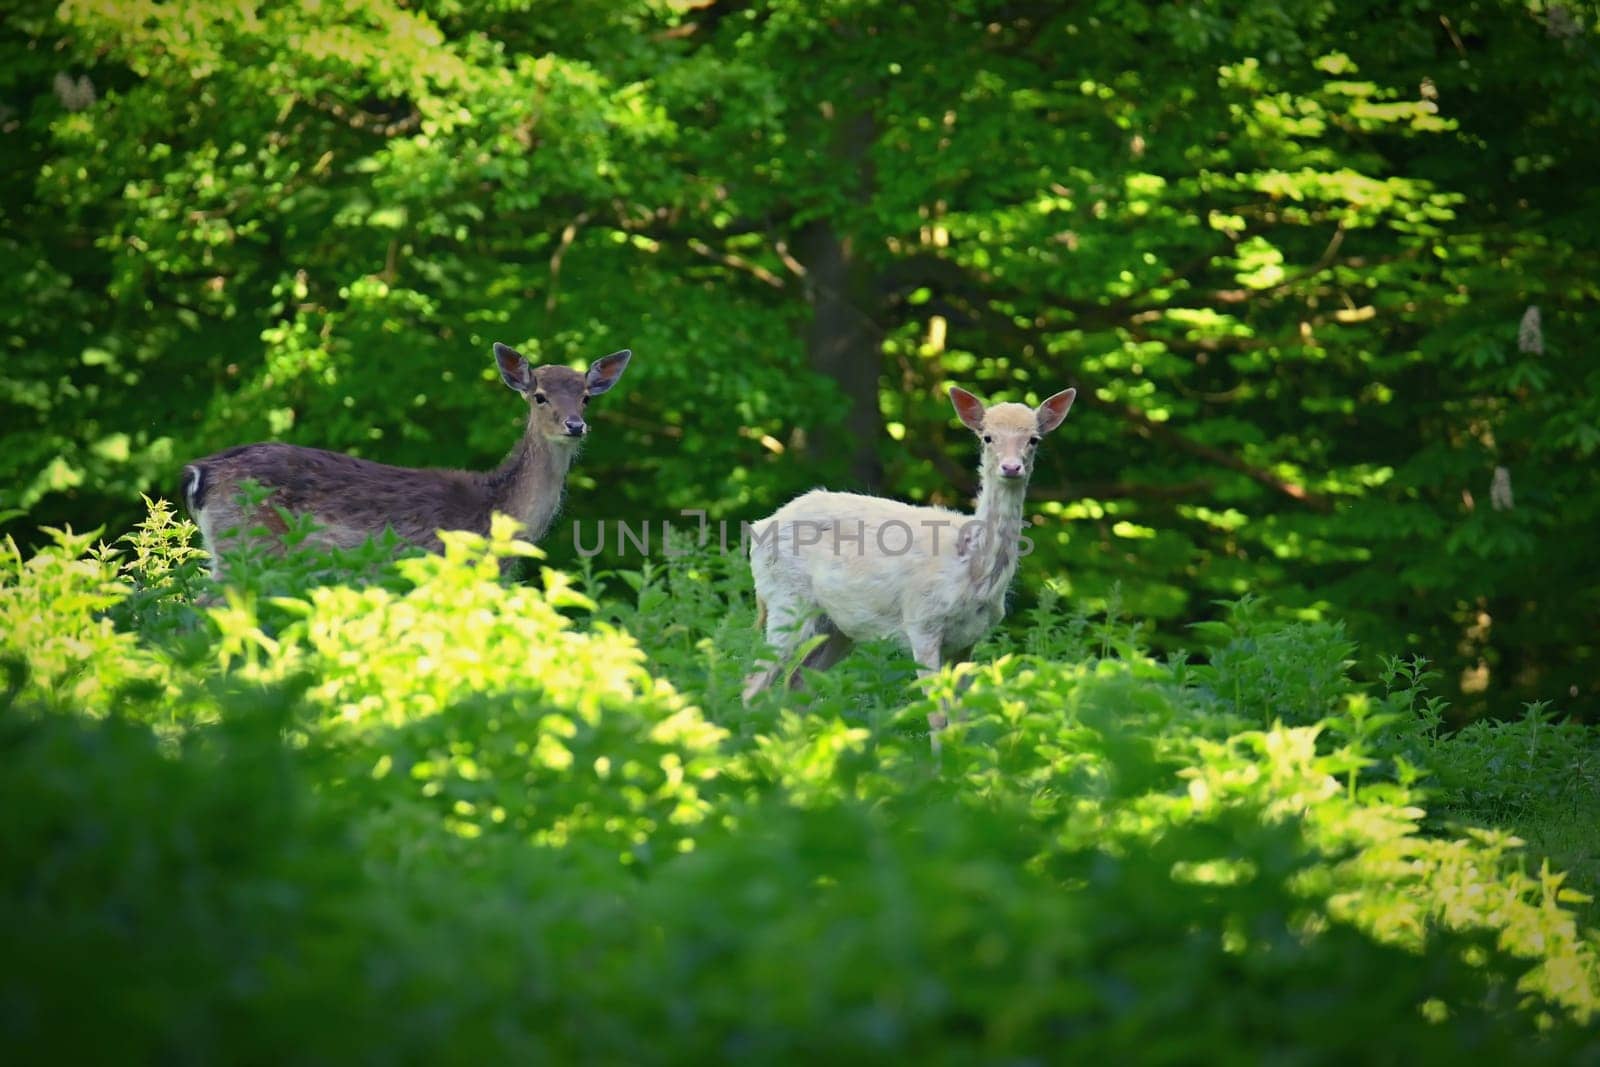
{"points": [[351, 499], [849, 567]]}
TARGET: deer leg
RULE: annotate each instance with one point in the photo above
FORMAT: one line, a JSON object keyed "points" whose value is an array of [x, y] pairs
{"points": [[925, 650], [961, 655], [761, 679], [825, 655], [787, 628]]}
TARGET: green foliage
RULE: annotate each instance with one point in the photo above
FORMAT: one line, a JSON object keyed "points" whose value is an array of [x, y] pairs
{"points": [[1322, 273], [1552, 759], [1264, 670], [431, 815], [59, 647], [1324, 276]]}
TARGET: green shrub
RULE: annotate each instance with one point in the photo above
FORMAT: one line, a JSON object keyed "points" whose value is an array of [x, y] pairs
{"points": [[436, 817], [59, 647]]}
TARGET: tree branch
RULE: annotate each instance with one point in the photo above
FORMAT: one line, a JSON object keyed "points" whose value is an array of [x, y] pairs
{"points": [[737, 262], [568, 235], [965, 482], [1145, 426], [1198, 487]]}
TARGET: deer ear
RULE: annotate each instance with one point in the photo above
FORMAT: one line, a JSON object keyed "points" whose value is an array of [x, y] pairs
{"points": [[968, 408], [604, 372], [514, 369], [1053, 410]]}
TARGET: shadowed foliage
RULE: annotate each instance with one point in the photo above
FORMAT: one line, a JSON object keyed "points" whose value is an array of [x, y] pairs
{"points": [[1321, 274], [314, 823]]}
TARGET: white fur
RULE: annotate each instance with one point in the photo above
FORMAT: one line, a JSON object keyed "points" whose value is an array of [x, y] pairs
{"points": [[877, 568], [206, 519], [862, 568], [195, 474]]}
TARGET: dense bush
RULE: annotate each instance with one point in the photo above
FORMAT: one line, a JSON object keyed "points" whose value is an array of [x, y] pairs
{"points": [[434, 817], [1322, 273]]}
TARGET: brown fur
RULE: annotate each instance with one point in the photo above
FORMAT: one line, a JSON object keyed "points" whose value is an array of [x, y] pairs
{"points": [[352, 499]]}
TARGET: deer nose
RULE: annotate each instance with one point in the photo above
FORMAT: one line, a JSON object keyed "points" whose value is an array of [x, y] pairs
{"points": [[1010, 468], [575, 427]]}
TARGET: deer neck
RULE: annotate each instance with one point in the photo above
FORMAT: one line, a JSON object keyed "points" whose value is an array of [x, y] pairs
{"points": [[528, 484], [994, 559]]}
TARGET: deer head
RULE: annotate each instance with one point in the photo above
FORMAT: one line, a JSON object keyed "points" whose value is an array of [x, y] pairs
{"points": [[558, 395], [1010, 432]]}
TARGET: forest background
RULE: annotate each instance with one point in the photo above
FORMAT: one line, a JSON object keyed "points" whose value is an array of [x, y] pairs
{"points": [[1323, 275]]}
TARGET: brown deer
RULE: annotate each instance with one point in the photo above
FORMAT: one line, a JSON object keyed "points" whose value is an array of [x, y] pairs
{"points": [[351, 499]]}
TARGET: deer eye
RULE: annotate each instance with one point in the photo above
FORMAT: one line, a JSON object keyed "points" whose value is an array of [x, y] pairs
{"points": [[585, 400], [539, 398], [1032, 441], [988, 440]]}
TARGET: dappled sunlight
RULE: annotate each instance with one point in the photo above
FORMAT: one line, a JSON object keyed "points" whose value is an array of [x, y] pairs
{"points": [[1107, 835], [486, 701], [1279, 747]]}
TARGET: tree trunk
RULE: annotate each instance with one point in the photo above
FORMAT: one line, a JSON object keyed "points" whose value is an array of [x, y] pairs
{"points": [[844, 340]]}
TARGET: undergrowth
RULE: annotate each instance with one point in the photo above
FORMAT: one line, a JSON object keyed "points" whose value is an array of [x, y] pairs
{"points": [[437, 817]]}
